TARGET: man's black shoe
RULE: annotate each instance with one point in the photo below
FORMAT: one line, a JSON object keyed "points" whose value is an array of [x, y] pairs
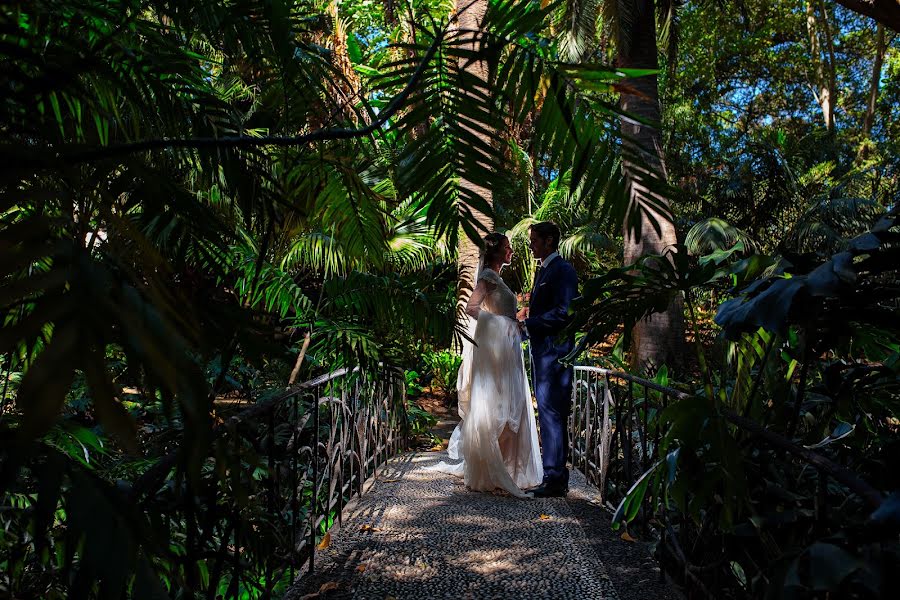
{"points": [[549, 490]]}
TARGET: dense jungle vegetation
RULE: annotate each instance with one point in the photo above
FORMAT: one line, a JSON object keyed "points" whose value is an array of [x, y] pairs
{"points": [[203, 202]]}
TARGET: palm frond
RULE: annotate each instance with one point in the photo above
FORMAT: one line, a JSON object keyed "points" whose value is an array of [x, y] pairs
{"points": [[714, 234], [828, 224], [578, 29]]}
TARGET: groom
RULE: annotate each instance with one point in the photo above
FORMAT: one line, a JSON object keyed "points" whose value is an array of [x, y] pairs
{"points": [[555, 285]]}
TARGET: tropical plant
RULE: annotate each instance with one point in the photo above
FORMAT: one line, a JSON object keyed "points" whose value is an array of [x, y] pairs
{"points": [[806, 375], [444, 366], [199, 189]]}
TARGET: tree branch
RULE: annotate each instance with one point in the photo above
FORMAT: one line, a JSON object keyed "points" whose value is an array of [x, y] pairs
{"points": [[886, 12]]}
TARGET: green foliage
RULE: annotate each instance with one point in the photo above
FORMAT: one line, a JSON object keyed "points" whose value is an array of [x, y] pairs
{"points": [[809, 356], [444, 367], [189, 189], [413, 386], [420, 421]]}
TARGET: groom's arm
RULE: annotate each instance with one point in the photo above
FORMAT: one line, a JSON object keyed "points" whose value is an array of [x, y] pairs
{"points": [[554, 320]]}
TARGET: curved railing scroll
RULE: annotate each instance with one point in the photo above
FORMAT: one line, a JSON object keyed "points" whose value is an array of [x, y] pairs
{"points": [[280, 474], [614, 433]]}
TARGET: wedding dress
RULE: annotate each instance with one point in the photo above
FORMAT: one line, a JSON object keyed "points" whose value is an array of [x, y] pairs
{"points": [[497, 437]]}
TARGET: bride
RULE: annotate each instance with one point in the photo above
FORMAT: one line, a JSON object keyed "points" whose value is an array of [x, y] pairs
{"points": [[497, 438]]}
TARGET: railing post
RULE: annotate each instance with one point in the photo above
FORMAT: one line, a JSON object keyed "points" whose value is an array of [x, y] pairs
{"points": [[270, 451], [360, 442], [616, 443], [645, 463], [629, 430], [295, 508], [315, 480], [343, 453], [606, 440], [588, 429], [234, 586]]}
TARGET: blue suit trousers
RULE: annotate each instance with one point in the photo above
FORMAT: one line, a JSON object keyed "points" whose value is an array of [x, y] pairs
{"points": [[553, 390]]}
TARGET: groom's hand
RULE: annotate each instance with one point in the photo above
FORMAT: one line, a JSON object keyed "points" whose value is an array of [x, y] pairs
{"points": [[522, 314]]}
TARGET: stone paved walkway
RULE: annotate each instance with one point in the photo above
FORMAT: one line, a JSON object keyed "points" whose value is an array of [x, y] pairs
{"points": [[421, 534]]}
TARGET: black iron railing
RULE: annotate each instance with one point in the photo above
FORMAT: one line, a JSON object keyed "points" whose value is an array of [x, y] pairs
{"points": [[614, 430], [615, 434], [280, 473]]}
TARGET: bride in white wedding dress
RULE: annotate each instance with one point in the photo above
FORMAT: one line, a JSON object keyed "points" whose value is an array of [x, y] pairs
{"points": [[497, 438]]}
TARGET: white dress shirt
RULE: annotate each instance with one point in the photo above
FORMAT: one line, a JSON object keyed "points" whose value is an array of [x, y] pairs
{"points": [[550, 257]]}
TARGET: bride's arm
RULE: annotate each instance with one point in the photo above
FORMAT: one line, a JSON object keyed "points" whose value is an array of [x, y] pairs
{"points": [[473, 307]]}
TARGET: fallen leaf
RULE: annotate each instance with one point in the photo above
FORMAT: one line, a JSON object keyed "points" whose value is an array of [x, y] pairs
{"points": [[326, 541], [627, 537], [369, 528], [388, 480], [545, 517], [436, 448], [361, 568]]}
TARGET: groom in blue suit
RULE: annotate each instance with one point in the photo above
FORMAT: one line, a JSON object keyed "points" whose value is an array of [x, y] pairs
{"points": [[555, 285]]}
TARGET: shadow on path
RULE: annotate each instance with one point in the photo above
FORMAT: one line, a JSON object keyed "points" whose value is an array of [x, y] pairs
{"points": [[420, 534]]}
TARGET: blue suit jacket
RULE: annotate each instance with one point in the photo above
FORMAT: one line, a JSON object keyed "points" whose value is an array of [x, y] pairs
{"points": [[556, 286]]}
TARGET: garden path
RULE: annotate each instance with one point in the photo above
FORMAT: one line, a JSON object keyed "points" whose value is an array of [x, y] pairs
{"points": [[421, 534]]}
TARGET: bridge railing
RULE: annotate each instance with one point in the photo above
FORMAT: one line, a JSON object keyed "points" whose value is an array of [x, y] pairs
{"points": [[280, 473], [614, 431], [615, 435]]}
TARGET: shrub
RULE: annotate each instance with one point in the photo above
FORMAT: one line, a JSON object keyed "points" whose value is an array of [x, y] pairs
{"points": [[444, 366]]}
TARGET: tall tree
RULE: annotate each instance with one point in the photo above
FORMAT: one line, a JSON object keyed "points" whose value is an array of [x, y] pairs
{"points": [[658, 338], [470, 16], [824, 77], [880, 47]]}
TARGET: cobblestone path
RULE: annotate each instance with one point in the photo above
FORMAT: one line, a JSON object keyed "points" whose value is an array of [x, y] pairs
{"points": [[421, 534]]}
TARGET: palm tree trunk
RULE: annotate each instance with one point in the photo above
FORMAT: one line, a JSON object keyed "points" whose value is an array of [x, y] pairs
{"points": [[659, 338], [469, 15]]}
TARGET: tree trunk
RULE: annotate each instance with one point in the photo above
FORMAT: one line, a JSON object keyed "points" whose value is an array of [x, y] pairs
{"points": [[880, 47], [659, 338], [824, 82], [341, 91], [831, 67], [469, 15]]}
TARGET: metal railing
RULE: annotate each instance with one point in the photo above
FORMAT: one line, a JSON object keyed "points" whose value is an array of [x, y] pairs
{"points": [[615, 435], [281, 472], [614, 431]]}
